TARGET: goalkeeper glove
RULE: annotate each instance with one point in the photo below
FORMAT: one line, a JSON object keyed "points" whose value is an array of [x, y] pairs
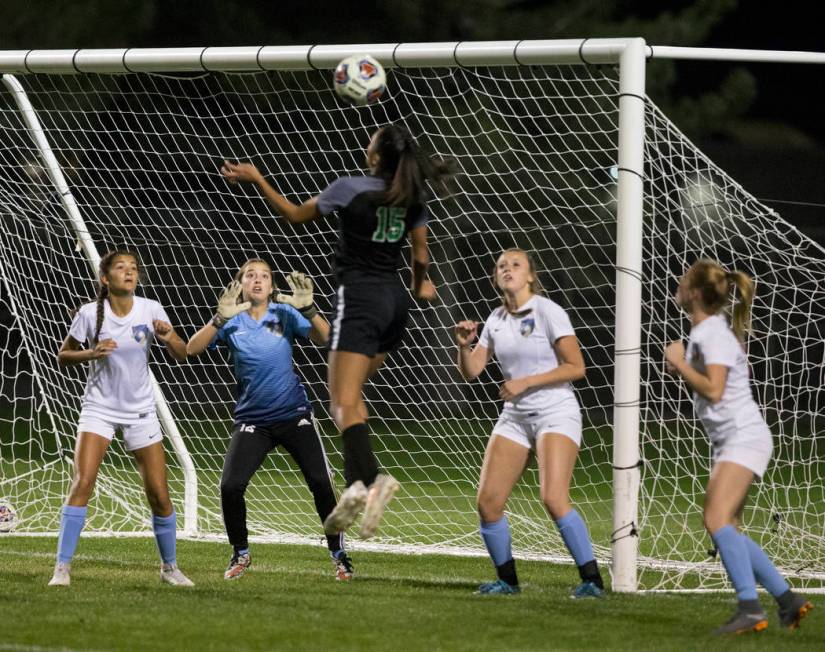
{"points": [[301, 298], [228, 305]]}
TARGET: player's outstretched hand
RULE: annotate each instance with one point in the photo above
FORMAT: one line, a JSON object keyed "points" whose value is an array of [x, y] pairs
{"points": [[465, 332], [240, 172], [228, 305], [301, 286]]}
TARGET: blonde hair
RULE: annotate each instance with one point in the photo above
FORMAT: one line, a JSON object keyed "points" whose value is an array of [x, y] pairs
{"points": [[715, 286], [535, 284]]}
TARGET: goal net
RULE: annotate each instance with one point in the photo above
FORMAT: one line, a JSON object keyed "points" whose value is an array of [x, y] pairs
{"points": [[537, 150]]}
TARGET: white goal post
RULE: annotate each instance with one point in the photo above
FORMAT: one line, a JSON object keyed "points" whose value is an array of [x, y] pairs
{"points": [[560, 134]]}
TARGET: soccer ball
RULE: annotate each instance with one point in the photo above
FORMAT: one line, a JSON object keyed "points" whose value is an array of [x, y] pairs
{"points": [[8, 517], [360, 80]]}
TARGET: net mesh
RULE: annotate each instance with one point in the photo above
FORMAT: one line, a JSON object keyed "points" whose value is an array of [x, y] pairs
{"points": [[536, 147]]}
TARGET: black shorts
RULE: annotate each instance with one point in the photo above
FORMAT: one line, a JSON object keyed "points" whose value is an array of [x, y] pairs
{"points": [[369, 317]]}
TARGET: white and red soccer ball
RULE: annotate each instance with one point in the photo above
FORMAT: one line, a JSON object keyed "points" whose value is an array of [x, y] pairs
{"points": [[360, 80], [8, 516]]}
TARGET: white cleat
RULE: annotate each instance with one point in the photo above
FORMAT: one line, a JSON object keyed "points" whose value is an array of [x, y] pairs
{"points": [[61, 575], [346, 511], [171, 574], [380, 493]]}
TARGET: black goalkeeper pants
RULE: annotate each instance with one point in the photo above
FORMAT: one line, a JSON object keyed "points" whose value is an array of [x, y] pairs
{"points": [[250, 445]]}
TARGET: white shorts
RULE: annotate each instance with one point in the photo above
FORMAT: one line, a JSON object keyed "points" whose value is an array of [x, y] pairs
{"points": [[525, 428], [139, 430], [753, 454]]}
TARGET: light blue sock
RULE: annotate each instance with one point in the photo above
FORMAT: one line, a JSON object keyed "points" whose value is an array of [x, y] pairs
{"points": [[574, 534], [763, 569], [497, 540], [72, 520], [737, 561], [165, 534]]}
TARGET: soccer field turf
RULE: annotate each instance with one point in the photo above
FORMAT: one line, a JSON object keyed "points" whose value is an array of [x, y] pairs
{"points": [[290, 600]]}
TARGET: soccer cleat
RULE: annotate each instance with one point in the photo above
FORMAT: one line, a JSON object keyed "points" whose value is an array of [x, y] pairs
{"points": [[381, 492], [171, 574], [743, 622], [61, 575], [586, 590], [796, 611], [499, 587], [347, 510], [344, 570], [237, 566]]}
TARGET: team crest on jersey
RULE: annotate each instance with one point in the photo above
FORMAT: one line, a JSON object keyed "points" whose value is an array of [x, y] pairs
{"points": [[141, 334], [527, 326], [275, 328]]}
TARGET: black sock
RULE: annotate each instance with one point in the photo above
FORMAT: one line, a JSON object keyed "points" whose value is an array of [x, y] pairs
{"points": [[507, 572], [589, 572], [334, 543], [786, 599], [750, 606], [359, 460]]}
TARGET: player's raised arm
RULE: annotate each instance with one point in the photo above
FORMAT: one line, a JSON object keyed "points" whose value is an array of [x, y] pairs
{"points": [[229, 305], [303, 301], [248, 173]]}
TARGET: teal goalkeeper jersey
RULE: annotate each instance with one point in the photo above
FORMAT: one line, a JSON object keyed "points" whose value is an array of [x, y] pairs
{"points": [[268, 388]]}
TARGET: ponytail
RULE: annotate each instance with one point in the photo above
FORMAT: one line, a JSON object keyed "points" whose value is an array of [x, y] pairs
{"points": [[405, 168], [741, 319], [102, 293]]}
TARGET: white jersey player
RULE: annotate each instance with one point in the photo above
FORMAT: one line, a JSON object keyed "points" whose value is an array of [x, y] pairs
{"points": [[118, 330], [535, 345], [716, 369]]}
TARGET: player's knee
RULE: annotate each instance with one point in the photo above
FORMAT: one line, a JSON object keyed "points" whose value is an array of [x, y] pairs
{"points": [[232, 488], [159, 502], [490, 508], [556, 505], [714, 520], [83, 485]]}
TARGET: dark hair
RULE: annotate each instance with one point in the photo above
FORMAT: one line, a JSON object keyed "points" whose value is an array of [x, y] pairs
{"points": [[535, 284], [405, 167], [103, 269], [715, 286]]}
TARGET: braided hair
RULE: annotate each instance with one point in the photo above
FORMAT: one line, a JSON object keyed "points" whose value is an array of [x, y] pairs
{"points": [[405, 168]]}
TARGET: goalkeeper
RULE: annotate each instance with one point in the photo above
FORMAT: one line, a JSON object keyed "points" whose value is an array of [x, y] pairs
{"points": [[272, 408]]}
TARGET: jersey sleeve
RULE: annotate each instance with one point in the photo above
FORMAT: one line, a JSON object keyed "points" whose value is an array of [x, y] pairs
{"points": [[557, 322], [79, 330], [420, 218], [486, 337], [159, 312], [295, 324], [336, 195], [719, 347]]}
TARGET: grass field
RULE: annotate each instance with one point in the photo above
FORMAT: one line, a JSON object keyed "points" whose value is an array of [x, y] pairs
{"points": [[290, 601]]}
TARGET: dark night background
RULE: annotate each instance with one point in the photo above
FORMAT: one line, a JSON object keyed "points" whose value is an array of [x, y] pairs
{"points": [[760, 122]]}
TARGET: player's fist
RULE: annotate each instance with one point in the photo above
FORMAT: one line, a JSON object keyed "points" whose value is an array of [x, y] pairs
{"points": [[427, 291], [243, 172], [163, 330], [674, 354], [103, 349], [465, 332]]}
